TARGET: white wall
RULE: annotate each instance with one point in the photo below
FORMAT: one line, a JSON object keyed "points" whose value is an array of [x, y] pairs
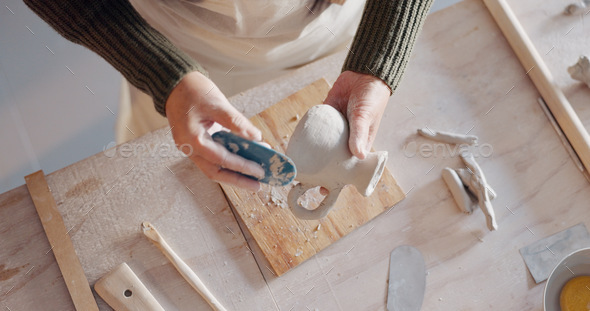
{"points": [[48, 118]]}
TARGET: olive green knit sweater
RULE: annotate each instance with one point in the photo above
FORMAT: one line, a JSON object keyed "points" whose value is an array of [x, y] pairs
{"points": [[114, 30]]}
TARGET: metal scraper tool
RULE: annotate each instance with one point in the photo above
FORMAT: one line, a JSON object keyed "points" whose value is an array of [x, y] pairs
{"points": [[279, 170], [407, 279]]}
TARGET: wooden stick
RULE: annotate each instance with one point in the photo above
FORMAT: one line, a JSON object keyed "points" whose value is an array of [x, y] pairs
{"points": [[60, 242], [530, 59], [154, 236]]}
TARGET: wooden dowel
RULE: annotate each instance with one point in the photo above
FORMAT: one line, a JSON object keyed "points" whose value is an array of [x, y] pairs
{"points": [[189, 275], [532, 62]]}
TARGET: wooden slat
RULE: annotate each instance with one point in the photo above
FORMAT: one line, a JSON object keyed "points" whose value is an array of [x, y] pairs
{"points": [[62, 246], [285, 240]]}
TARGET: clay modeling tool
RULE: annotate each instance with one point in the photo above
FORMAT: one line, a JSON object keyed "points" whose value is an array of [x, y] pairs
{"points": [[124, 291], [533, 63], [279, 169], [154, 236], [543, 255], [60, 242], [407, 279]]}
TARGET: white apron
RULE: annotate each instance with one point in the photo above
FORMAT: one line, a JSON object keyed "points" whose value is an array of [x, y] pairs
{"points": [[241, 43]]}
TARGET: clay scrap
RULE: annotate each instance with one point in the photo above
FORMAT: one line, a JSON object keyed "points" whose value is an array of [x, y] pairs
{"points": [[581, 70], [458, 191], [479, 183], [470, 189], [446, 137], [576, 7]]}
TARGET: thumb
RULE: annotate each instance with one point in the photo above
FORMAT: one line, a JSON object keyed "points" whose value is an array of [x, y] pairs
{"points": [[229, 117], [359, 123]]}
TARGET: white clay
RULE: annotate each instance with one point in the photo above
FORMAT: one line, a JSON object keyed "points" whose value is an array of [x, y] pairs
{"points": [[466, 176], [446, 137], [458, 191], [154, 236], [581, 70], [575, 7], [319, 148], [478, 182]]}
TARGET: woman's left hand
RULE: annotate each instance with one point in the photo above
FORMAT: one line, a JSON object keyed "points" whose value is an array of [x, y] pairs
{"points": [[362, 99]]}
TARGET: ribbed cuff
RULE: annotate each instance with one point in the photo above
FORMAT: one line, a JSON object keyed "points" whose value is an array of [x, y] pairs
{"points": [[115, 31], [385, 38]]}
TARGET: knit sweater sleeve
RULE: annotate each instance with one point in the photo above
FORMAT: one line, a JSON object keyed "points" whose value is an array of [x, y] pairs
{"points": [[385, 38], [115, 31]]}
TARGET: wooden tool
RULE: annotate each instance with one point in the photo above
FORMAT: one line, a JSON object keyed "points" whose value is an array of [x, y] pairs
{"points": [[154, 236], [124, 291], [285, 240], [62, 246], [530, 59]]}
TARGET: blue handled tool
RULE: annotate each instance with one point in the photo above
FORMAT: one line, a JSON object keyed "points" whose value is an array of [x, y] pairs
{"points": [[279, 169]]}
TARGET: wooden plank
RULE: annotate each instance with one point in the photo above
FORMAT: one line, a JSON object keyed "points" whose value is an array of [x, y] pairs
{"points": [[285, 240], [62, 246]]}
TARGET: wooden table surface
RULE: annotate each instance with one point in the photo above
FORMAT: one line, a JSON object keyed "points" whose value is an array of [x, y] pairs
{"points": [[463, 77]]}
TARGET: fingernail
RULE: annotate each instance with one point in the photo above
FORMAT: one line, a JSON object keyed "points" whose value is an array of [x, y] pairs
{"points": [[253, 186], [255, 134], [360, 151], [257, 171]]}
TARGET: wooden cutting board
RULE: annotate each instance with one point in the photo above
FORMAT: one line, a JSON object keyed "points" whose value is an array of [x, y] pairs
{"points": [[285, 240]]}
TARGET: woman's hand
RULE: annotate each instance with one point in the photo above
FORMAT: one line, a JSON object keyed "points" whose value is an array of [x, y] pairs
{"points": [[195, 109], [362, 99]]}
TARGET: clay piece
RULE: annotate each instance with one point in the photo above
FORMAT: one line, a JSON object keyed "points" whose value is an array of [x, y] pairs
{"points": [[478, 182], [447, 137], [458, 191], [465, 175], [319, 148], [189, 275], [576, 7], [581, 70]]}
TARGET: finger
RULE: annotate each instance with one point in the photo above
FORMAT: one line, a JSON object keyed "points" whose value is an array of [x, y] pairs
{"points": [[359, 123], [373, 128], [219, 174], [229, 117], [217, 154]]}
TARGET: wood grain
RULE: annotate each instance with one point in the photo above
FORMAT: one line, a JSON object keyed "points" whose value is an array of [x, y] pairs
{"points": [[285, 240], [62, 246]]}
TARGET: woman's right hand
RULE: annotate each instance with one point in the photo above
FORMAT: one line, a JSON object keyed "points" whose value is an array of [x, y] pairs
{"points": [[195, 109]]}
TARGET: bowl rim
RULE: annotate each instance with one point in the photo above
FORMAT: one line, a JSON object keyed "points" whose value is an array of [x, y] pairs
{"points": [[553, 271]]}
